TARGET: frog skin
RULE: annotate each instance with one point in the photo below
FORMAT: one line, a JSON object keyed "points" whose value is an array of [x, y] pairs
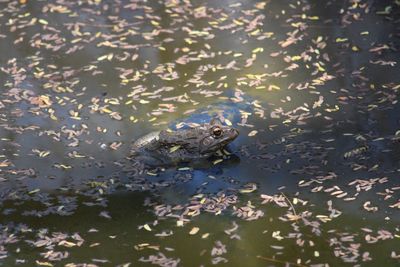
{"points": [[184, 145]]}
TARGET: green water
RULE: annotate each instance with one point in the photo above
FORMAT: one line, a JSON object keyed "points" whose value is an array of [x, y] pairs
{"points": [[317, 116]]}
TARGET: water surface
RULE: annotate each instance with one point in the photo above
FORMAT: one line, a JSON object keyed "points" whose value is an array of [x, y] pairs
{"points": [[313, 89]]}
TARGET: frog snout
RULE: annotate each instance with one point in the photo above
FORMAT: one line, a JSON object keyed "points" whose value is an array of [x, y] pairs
{"points": [[234, 133]]}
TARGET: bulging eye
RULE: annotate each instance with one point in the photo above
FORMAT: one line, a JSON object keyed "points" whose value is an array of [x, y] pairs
{"points": [[217, 131]]}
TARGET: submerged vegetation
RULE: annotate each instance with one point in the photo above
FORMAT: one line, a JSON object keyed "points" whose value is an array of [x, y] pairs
{"points": [[312, 179]]}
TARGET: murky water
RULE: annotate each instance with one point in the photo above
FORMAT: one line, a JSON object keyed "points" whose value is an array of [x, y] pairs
{"points": [[313, 89]]}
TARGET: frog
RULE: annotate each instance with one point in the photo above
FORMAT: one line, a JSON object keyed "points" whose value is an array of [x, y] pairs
{"points": [[183, 145]]}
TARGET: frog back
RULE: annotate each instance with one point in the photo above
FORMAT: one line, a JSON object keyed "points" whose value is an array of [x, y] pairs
{"points": [[146, 141]]}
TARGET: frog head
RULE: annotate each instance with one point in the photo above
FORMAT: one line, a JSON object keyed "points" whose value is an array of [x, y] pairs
{"points": [[213, 136]]}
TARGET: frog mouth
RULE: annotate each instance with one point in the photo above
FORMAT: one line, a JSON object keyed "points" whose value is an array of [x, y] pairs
{"points": [[233, 134]]}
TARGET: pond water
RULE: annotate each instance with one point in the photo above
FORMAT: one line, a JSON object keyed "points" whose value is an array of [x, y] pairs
{"points": [[312, 87]]}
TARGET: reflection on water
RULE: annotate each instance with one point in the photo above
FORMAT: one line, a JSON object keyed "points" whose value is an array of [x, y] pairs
{"points": [[312, 88]]}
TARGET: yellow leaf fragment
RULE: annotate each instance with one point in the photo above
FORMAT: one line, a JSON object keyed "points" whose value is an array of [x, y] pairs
{"points": [[194, 231], [250, 188], [296, 58], [174, 148], [147, 227], [260, 5], [204, 236], [228, 122], [257, 50], [34, 191], [102, 57], [215, 162], [44, 263], [155, 23], [43, 154], [341, 40], [42, 21], [67, 244], [253, 133], [5, 163], [292, 217], [273, 87]]}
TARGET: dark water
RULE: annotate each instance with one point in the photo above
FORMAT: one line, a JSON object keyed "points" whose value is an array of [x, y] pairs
{"points": [[312, 87]]}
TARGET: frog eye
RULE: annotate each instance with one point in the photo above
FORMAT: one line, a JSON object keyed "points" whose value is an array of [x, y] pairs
{"points": [[217, 131]]}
